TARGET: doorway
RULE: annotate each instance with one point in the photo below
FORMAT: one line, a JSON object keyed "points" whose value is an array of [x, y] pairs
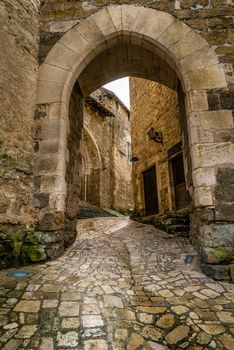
{"points": [[181, 193], [150, 191]]}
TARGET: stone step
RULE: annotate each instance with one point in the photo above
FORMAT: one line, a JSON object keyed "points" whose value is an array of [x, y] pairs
{"points": [[91, 211]]}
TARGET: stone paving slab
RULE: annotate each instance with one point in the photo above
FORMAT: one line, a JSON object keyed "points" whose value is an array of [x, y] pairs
{"points": [[122, 285]]}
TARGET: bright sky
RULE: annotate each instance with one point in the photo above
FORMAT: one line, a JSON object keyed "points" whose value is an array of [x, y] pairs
{"points": [[121, 88]]}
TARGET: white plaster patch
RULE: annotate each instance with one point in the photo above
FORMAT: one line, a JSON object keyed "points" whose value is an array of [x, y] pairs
{"points": [[62, 26], [88, 5]]}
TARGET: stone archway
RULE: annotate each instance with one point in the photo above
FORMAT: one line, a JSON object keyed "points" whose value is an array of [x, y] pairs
{"points": [[137, 41]]}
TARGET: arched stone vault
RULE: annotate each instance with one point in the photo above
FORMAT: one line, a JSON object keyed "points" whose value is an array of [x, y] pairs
{"points": [[133, 40], [89, 134], [184, 51]]}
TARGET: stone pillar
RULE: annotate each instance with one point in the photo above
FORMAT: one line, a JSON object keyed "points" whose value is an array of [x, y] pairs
{"points": [[18, 72], [212, 150], [57, 180]]}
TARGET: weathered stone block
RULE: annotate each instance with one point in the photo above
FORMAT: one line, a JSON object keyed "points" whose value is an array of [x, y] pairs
{"points": [[199, 59], [225, 176], [32, 250], [215, 235], [225, 211], [217, 272], [41, 199], [189, 43], [62, 26], [197, 101], [47, 164], [225, 192], [47, 92], [224, 136], [174, 32], [152, 24], [217, 255], [54, 250], [211, 77], [203, 177], [51, 222], [41, 111], [205, 155], [203, 196], [49, 147], [116, 16], [49, 237], [103, 20], [213, 101], [199, 135], [48, 72]]}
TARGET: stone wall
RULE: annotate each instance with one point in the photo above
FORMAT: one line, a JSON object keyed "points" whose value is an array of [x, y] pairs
{"points": [[212, 19], [91, 169], [109, 124], [18, 72], [74, 162]]}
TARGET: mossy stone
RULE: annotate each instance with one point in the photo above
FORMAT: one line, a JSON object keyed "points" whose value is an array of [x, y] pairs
{"points": [[17, 242], [223, 254], [8, 162], [32, 249], [217, 255]]}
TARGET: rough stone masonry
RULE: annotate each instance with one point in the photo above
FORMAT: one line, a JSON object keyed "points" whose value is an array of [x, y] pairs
{"points": [[82, 44]]}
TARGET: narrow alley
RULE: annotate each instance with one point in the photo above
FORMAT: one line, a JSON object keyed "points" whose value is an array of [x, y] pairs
{"points": [[122, 285]]}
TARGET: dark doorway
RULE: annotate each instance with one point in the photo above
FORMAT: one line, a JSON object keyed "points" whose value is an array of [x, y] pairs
{"points": [[150, 191], [181, 193]]}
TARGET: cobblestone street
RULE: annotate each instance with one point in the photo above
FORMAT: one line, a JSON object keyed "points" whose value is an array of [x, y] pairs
{"points": [[122, 285]]}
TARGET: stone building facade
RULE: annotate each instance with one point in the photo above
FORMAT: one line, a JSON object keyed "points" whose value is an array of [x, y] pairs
{"points": [[81, 45], [106, 169], [159, 166]]}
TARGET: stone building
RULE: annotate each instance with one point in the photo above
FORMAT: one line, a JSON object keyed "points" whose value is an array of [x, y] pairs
{"points": [[56, 53], [106, 169], [159, 165]]}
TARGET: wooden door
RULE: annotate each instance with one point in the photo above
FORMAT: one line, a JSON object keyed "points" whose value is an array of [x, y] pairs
{"points": [[181, 193], [150, 191]]}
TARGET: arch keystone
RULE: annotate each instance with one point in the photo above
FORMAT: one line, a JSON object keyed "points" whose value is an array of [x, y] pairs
{"points": [[115, 13], [129, 16], [104, 22], [152, 23]]}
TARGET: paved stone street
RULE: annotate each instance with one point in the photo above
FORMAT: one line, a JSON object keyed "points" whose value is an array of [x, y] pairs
{"points": [[122, 285]]}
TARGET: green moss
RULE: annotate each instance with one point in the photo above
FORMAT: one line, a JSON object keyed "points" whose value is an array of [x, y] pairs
{"points": [[33, 253], [17, 242], [32, 249], [9, 162], [223, 254]]}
